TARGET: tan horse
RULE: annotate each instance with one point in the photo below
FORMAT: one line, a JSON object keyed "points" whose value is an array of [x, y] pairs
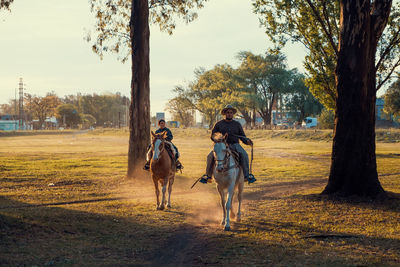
{"points": [[162, 169], [228, 176]]}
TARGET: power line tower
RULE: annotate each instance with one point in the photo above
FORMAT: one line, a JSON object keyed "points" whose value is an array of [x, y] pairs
{"points": [[21, 104]]}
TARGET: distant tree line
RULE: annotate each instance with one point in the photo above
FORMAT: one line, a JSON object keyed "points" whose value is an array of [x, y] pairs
{"points": [[259, 84], [72, 111]]}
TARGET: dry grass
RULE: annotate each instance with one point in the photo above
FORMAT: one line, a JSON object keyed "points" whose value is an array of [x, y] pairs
{"points": [[65, 201]]}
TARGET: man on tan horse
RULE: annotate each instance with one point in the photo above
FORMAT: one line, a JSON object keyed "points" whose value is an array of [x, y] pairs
{"points": [[168, 139], [235, 132]]}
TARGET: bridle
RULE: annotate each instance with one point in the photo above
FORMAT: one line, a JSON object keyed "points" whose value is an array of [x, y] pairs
{"points": [[225, 159], [162, 145]]}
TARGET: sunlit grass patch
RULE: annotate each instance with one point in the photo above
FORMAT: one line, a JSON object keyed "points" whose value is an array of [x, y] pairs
{"points": [[65, 201]]}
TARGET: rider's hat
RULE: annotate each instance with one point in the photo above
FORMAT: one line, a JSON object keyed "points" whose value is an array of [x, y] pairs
{"points": [[225, 109]]}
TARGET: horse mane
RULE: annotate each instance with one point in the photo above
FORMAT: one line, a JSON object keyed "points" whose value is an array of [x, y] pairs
{"points": [[158, 136], [217, 137]]}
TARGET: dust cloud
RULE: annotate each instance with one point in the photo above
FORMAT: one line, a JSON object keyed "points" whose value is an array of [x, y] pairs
{"points": [[200, 205]]}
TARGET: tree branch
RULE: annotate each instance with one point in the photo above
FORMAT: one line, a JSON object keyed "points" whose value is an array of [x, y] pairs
{"points": [[394, 41], [389, 75], [328, 33], [380, 12]]}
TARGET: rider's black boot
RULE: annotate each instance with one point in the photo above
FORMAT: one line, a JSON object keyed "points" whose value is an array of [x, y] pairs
{"points": [[205, 179], [146, 167]]}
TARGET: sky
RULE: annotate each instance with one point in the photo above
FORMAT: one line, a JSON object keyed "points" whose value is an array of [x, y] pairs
{"points": [[42, 41]]}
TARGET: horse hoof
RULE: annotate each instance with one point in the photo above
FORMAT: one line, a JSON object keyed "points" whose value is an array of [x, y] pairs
{"points": [[161, 208], [169, 206], [223, 223], [227, 228], [232, 216]]}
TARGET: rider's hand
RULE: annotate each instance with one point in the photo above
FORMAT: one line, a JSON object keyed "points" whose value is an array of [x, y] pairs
{"points": [[249, 142]]}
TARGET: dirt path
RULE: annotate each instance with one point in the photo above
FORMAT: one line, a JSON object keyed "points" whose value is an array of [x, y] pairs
{"points": [[189, 244]]}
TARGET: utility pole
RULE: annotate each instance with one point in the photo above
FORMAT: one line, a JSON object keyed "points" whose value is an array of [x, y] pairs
{"points": [[15, 104], [21, 104]]}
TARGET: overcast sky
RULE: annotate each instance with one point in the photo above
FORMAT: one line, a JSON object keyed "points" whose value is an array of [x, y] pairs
{"points": [[42, 41]]}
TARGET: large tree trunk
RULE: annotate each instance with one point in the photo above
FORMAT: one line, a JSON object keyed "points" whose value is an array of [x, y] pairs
{"points": [[353, 167], [139, 110]]}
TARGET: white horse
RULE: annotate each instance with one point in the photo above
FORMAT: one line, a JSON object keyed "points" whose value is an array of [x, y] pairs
{"points": [[228, 176]]}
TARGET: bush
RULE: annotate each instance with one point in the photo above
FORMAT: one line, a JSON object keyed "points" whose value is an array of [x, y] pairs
{"points": [[326, 119]]}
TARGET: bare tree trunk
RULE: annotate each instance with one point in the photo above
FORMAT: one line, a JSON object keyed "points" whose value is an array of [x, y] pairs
{"points": [[353, 167], [139, 110]]}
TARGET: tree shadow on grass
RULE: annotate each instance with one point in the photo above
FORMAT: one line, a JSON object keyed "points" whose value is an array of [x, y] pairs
{"points": [[58, 236], [37, 235], [389, 202], [282, 189]]}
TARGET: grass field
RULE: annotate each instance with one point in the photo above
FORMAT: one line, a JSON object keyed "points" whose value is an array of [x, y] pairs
{"points": [[65, 201]]}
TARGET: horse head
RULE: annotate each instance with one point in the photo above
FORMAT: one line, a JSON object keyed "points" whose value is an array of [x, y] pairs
{"points": [[158, 144], [220, 151]]}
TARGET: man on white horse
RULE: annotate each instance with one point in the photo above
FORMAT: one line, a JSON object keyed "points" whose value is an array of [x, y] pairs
{"points": [[235, 132]]}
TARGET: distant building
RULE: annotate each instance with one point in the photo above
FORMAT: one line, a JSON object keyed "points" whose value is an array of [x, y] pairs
{"points": [[9, 123], [160, 116], [380, 103]]}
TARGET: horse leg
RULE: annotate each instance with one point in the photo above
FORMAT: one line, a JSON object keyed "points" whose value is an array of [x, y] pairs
{"points": [[231, 190], [157, 193], [222, 196], [170, 183], [240, 193], [164, 189], [232, 213]]}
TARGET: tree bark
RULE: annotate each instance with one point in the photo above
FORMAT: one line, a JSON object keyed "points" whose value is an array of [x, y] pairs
{"points": [[353, 165], [139, 109]]}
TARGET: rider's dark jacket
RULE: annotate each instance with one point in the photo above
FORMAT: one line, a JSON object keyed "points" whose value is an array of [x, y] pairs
{"points": [[234, 130], [169, 133]]}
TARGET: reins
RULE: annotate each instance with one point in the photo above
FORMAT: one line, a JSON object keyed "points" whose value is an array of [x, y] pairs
{"points": [[251, 160]]}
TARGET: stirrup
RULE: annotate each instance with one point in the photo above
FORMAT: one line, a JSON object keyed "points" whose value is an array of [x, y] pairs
{"points": [[205, 179], [179, 166], [146, 167], [251, 179]]}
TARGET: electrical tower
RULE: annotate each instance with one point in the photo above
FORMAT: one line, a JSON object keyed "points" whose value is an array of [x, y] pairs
{"points": [[21, 104]]}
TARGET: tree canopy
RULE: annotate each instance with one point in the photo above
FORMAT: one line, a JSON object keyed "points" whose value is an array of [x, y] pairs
{"points": [[41, 107], [111, 32], [5, 4], [392, 99], [315, 24], [259, 84]]}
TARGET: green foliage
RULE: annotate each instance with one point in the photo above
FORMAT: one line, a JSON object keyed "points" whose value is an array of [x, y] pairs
{"points": [[392, 99], [181, 111], [210, 91], [266, 80], [68, 114], [301, 99], [259, 83], [315, 24], [88, 121], [112, 33], [41, 107], [107, 109], [326, 120], [5, 4]]}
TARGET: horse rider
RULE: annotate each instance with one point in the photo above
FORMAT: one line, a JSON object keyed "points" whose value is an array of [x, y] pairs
{"points": [[161, 124], [235, 132]]}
